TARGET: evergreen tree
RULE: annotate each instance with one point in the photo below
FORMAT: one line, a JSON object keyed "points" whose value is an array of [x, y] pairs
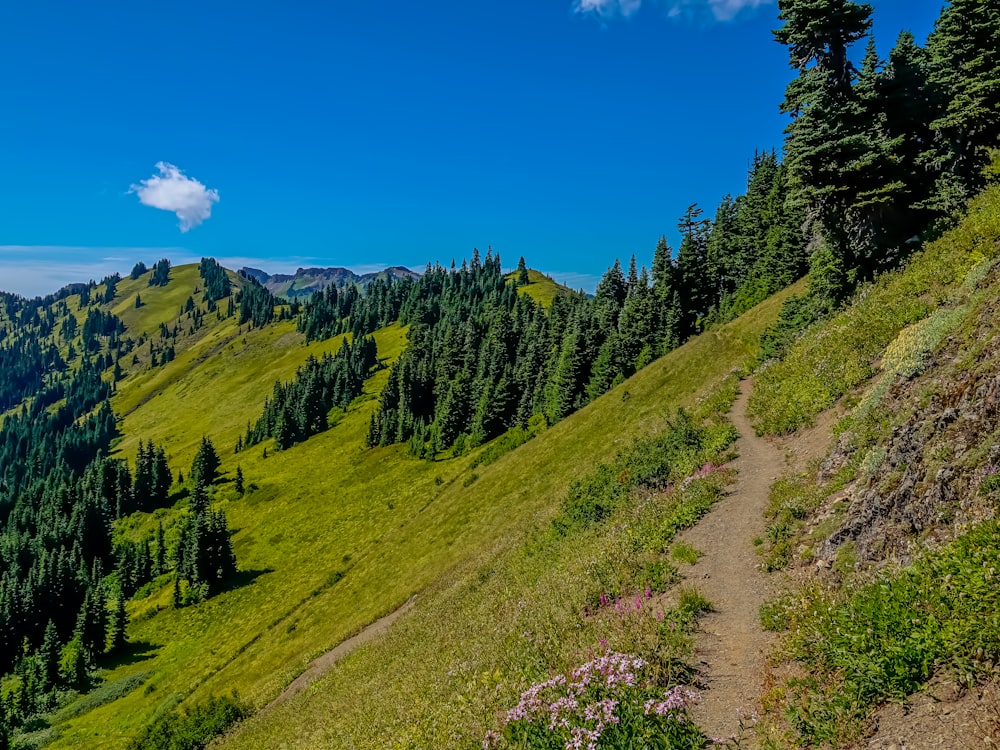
{"points": [[204, 555], [663, 270], [693, 283], [117, 624], [160, 275], [74, 664], [48, 655], [206, 463], [909, 107], [522, 272], [827, 137], [964, 72]]}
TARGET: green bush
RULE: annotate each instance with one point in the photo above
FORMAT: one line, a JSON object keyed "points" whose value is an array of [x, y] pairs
{"points": [[513, 438], [797, 314], [106, 693], [194, 728], [884, 640], [652, 462]]}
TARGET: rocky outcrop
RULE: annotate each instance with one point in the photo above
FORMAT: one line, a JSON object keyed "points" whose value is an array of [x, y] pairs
{"points": [[926, 479]]}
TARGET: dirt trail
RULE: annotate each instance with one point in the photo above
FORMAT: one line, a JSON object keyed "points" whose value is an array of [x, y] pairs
{"points": [[732, 646], [323, 664]]}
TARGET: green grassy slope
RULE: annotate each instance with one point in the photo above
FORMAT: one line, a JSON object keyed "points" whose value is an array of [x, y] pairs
{"points": [[407, 691], [843, 352], [333, 535], [541, 288]]}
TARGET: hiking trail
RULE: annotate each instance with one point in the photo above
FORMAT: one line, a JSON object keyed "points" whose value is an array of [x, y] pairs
{"points": [[324, 663], [731, 646]]}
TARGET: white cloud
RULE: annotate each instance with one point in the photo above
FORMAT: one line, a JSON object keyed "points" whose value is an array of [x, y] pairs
{"points": [[726, 10], [721, 10], [623, 8], [172, 190]]}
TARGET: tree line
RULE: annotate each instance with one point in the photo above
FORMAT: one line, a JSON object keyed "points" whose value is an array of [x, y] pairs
{"points": [[64, 580], [298, 409]]}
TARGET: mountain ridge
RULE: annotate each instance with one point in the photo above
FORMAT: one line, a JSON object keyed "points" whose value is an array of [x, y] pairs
{"points": [[306, 281]]}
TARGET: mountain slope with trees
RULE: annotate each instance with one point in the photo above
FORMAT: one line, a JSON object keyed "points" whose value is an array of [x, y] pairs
{"points": [[203, 486]]}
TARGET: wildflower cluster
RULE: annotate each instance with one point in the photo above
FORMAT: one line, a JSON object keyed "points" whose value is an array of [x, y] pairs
{"points": [[706, 470], [622, 605], [608, 702]]}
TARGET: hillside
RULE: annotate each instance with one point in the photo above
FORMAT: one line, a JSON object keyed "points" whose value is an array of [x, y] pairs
{"points": [[321, 530], [331, 535], [541, 288], [749, 490], [890, 539], [322, 551]]}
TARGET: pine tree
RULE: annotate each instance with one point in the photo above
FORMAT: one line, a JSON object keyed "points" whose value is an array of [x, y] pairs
{"points": [[965, 72], [663, 270], [374, 436], [725, 263], [49, 656], [74, 663], [826, 138], [160, 475], [693, 283], [117, 623], [910, 106], [206, 462], [522, 272], [609, 297], [632, 280], [819, 33], [238, 484]]}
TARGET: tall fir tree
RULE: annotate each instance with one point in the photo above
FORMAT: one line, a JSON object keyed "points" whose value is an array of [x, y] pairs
{"points": [[964, 77], [825, 138]]}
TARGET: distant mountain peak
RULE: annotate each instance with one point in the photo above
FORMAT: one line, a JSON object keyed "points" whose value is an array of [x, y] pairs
{"points": [[306, 281]]}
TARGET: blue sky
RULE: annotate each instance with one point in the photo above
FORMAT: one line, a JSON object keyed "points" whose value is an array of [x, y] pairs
{"points": [[372, 133]]}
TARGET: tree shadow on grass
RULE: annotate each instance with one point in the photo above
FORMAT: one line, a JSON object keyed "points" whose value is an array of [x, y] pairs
{"points": [[243, 578], [132, 652]]}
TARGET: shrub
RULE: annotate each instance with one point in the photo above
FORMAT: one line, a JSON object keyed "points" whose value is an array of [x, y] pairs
{"points": [[885, 639], [192, 729], [651, 462], [106, 693]]}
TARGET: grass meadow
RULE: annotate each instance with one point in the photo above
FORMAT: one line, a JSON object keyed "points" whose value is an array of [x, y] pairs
{"points": [[331, 535]]}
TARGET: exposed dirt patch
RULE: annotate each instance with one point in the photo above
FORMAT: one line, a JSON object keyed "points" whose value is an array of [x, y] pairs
{"points": [[943, 716], [323, 664], [732, 647], [288, 339], [810, 444]]}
